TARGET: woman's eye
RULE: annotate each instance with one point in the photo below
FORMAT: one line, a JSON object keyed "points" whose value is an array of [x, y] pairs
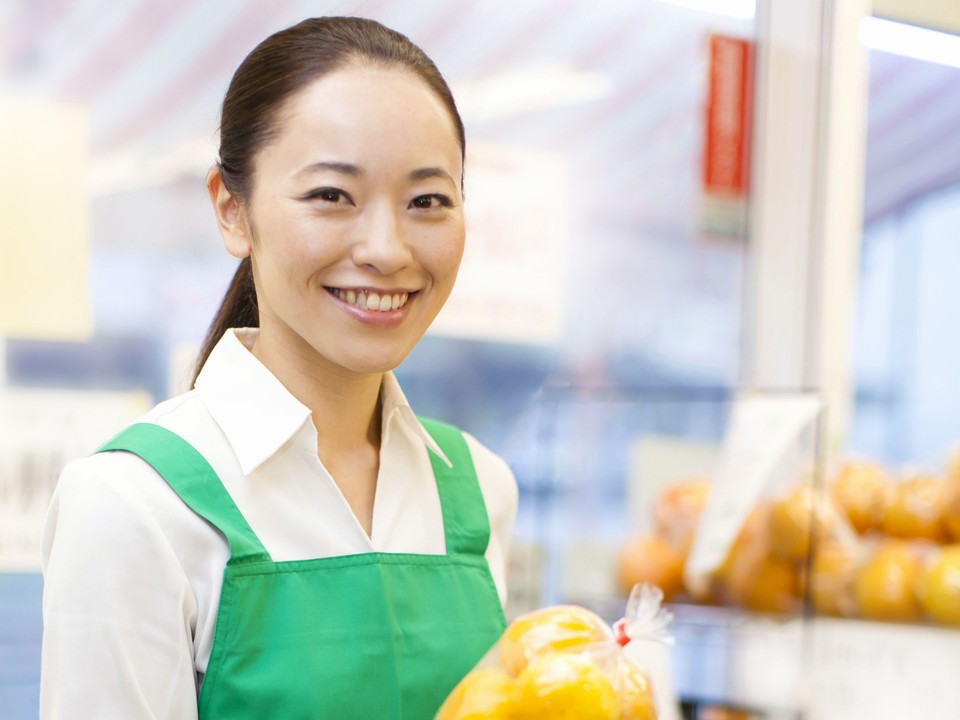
{"points": [[428, 202], [330, 195]]}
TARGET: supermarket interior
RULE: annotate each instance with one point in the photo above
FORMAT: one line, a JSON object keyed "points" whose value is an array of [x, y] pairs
{"points": [[709, 332]]}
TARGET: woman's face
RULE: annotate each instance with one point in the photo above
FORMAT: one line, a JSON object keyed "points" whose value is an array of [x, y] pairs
{"points": [[355, 220]]}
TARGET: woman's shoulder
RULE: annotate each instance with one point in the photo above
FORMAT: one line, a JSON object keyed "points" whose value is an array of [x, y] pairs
{"points": [[106, 501], [117, 487], [120, 471]]}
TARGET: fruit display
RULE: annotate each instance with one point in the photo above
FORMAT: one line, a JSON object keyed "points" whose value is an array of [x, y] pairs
{"points": [[564, 661], [870, 544]]}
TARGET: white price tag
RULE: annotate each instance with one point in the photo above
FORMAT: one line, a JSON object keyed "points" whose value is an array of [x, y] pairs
{"points": [[883, 671], [762, 431]]}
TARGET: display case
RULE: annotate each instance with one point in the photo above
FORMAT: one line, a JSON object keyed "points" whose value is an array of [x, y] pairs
{"points": [[800, 584], [702, 492]]}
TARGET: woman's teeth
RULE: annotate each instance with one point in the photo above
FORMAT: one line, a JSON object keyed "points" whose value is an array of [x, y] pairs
{"points": [[372, 300]]}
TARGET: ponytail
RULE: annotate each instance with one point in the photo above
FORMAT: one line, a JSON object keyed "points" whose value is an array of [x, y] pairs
{"points": [[238, 309]]}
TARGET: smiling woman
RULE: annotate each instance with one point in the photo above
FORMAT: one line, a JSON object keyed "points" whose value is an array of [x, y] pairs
{"points": [[289, 530], [342, 200]]}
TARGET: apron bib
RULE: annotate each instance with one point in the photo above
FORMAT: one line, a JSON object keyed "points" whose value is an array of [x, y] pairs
{"points": [[372, 636]]}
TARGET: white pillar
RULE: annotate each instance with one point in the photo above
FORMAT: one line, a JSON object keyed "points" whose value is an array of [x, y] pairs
{"points": [[806, 201]]}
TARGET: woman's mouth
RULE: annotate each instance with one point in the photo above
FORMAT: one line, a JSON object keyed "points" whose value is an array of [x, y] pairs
{"points": [[372, 300]]}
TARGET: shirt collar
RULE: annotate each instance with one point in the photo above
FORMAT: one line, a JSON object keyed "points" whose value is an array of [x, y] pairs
{"points": [[395, 408], [258, 415]]}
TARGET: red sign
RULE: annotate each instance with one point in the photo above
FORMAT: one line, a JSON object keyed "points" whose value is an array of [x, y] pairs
{"points": [[726, 159]]}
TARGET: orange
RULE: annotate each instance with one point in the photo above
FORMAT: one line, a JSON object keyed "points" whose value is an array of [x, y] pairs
{"points": [[939, 587], [556, 627], [677, 512], [484, 694], [915, 509], [951, 522], [716, 712], [565, 686], [764, 582], [751, 539], [751, 533], [796, 516], [791, 520], [885, 586], [860, 488], [951, 497], [650, 558], [636, 693], [831, 583], [752, 576]]}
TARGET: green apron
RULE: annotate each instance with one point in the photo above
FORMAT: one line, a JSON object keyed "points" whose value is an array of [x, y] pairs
{"points": [[368, 636]]}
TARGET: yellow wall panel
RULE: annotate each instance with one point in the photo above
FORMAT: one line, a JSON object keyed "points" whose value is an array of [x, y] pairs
{"points": [[45, 224]]}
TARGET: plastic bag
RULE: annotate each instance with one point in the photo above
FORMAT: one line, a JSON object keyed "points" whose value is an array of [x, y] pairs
{"points": [[564, 661]]}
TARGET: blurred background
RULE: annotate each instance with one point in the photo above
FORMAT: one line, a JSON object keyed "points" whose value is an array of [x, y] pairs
{"points": [[674, 209]]}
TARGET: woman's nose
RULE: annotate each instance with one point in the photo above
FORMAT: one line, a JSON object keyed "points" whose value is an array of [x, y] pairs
{"points": [[381, 242]]}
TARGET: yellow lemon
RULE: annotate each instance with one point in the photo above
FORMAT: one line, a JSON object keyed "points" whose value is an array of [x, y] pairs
{"points": [[557, 627], [565, 686], [484, 694]]}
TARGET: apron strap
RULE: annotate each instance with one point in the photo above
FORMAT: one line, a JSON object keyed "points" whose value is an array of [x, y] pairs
{"points": [[197, 484], [466, 526]]}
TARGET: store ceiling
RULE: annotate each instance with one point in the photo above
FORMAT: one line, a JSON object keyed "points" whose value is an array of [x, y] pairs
{"points": [[152, 73]]}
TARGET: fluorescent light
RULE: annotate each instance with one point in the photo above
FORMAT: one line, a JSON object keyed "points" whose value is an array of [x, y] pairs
{"points": [[740, 9], [912, 41], [529, 89], [137, 167]]}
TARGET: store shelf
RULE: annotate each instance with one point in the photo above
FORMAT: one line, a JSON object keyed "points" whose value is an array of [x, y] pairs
{"points": [[816, 668]]}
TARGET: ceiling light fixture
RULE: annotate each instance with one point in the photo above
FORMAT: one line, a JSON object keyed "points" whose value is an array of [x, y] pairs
{"points": [[529, 89], [911, 41]]}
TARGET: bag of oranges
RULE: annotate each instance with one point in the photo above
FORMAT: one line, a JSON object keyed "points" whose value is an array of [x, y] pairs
{"points": [[565, 661]]}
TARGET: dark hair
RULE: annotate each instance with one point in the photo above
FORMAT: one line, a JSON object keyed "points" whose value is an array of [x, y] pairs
{"points": [[276, 69]]}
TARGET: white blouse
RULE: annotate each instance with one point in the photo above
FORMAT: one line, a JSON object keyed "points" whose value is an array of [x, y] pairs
{"points": [[132, 576]]}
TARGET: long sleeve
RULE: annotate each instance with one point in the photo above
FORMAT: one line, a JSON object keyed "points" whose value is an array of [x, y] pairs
{"points": [[500, 495], [117, 606]]}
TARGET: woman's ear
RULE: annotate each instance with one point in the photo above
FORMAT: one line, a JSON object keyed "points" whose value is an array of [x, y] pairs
{"points": [[231, 219]]}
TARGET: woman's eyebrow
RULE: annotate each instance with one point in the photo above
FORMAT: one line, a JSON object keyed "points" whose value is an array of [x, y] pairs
{"points": [[338, 167], [430, 172], [352, 170]]}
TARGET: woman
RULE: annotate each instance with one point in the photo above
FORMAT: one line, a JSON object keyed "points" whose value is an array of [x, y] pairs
{"points": [[287, 539]]}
